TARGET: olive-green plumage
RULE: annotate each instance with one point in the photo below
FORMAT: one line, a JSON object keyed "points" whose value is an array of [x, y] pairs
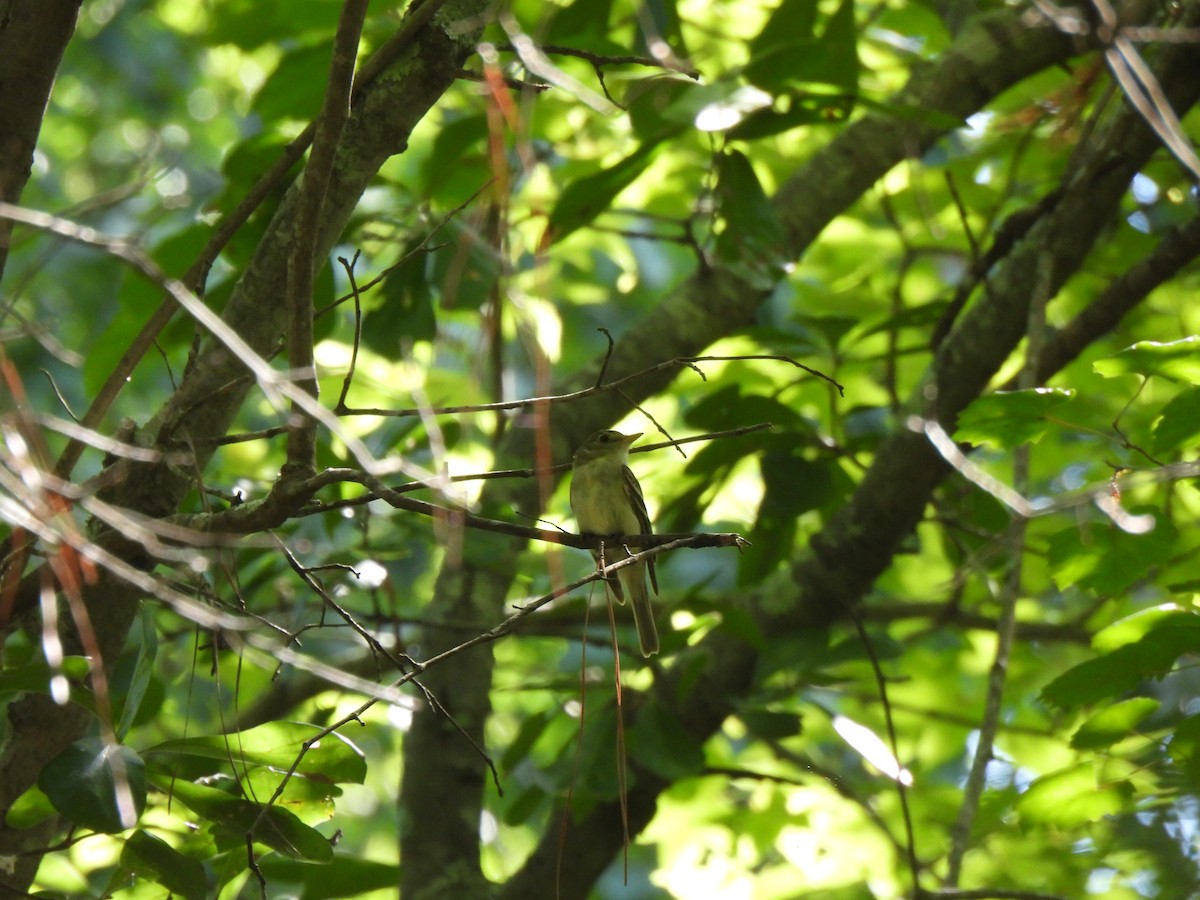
{"points": [[607, 500]]}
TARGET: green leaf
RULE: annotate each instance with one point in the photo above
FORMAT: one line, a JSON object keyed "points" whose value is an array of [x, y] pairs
{"points": [[1010, 418], [35, 676], [343, 876], [585, 198], [245, 164], [1122, 670], [1175, 361], [659, 741], [658, 106], [1136, 626], [791, 19], [153, 859], [1185, 749], [1179, 426], [31, 807], [771, 724], [1113, 724], [310, 798], [252, 23], [173, 253], [273, 827], [1108, 560], [1071, 798], [457, 164], [792, 486], [532, 728], [333, 758], [407, 311], [753, 243], [296, 88], [134, 672], [831, 329], [581, 18], [799, 110], [781, 61], [95, 784], [730, 405], [465, 269], [742, 624]]}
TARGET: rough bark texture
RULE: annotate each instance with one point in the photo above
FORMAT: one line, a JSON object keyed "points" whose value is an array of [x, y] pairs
{"points": [[33, 36], [216, 385]]}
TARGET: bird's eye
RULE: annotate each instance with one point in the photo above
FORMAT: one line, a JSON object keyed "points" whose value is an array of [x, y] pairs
{"points": [[605, 438]]}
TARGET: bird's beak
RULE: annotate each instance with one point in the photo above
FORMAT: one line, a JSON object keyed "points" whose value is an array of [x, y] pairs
{"points": [[630, 438]]}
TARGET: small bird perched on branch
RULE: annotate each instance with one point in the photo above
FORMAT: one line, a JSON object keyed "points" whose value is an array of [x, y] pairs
{"points": [[607, 500]]}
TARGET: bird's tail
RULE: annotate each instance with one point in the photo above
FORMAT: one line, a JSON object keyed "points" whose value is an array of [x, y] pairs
{"points": [[643, 617]]}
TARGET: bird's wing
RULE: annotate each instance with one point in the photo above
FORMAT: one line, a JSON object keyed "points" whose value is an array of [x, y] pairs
{"points": [[633, 490]]}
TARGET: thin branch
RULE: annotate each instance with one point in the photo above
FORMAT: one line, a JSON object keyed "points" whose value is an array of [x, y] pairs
{"points": [[348, 265], [910, 840], [1178, 247], [1101, 496], [335, 111], [536, 61], [1010, 592], [678, 362], [402, 662], [599, 60], [420, 247]]}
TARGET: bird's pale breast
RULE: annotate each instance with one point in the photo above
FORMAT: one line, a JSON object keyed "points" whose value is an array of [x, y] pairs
{"points": [[598, 499]]}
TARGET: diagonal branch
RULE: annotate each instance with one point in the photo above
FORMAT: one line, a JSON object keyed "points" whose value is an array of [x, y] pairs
{"points": [[303, 259]]}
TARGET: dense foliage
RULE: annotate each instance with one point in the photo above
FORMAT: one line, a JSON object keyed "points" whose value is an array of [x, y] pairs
{"points": [[258, 644]]}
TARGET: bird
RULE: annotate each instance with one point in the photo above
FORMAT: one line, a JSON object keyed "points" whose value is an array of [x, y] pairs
{"points": [[607, 501]]}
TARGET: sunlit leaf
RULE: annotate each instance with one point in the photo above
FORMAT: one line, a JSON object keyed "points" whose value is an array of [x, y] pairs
{"points": [[1113, 724], [1176, 361], [1179, 427], [1122, 670], [1071, 797], [95, 784], [331, 757], [781, 62], [1010, 418], [153, 859], [274, 827], [343, 876], [585, 198], [1107, 559], [753, 242]]}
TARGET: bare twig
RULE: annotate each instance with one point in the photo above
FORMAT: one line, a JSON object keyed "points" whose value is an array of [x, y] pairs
{"points": [[1010, 592], [599, 60], [421, 246], [599, 387], [1099, 495], [910, 840], [335, 111], [348, 265]]}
